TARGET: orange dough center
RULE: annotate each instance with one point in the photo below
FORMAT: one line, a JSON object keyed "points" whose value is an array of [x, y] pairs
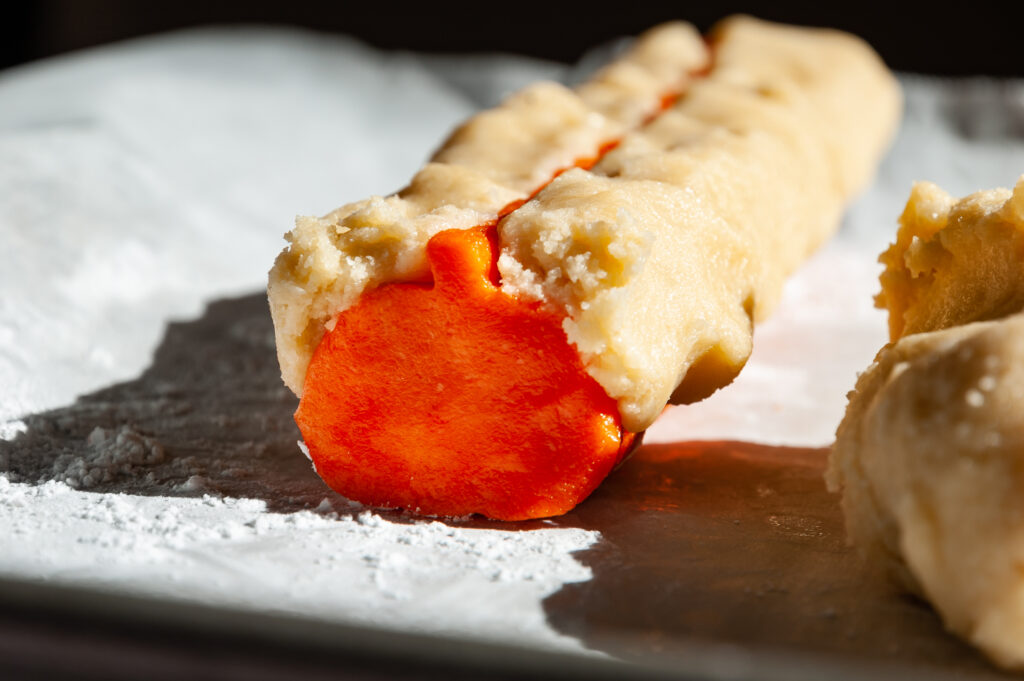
{"points": [[456, 398]]}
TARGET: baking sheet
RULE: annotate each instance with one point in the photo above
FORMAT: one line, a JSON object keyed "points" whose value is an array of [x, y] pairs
{"points": [[146, 443]]}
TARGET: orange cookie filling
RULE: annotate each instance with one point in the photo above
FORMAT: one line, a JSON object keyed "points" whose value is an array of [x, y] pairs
{"points": [[455, 398]]}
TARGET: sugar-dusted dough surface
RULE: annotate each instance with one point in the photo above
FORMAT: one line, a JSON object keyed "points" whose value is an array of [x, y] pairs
{"points": [[930, 458], [930, 454], [663, 255], [954, 261]]}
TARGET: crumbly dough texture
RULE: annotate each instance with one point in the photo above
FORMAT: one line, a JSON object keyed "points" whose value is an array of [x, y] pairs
{"points": [[930, 454], [667, 250], [954, 261], [495, 158], [663, 253], [930, 461]]}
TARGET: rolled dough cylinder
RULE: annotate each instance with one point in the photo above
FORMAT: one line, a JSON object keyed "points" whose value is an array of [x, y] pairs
{"points": [[661, 255]]}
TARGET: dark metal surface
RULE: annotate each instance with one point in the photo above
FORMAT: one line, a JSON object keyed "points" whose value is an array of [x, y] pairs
{"points": [[57, 632], [738, 543]]}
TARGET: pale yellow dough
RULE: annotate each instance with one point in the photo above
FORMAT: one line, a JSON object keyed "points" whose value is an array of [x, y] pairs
{"points": [[954, 261], [930, 461], [930, 454], [664, 253]]}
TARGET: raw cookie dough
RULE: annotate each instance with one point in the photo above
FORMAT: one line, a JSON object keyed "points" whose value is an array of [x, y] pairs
{"points": [[930, 454], [661, 256], [954, 261], [930, 461], [497, 157]]}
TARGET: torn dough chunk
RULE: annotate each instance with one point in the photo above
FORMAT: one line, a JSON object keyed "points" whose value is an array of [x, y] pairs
{"points": [[930, 454]]}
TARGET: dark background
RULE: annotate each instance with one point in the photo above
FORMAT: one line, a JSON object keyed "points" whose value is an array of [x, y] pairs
{"points": [[927, 37]]}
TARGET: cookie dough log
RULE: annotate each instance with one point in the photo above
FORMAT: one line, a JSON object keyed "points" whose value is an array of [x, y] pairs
{"points": [[549, 335], [930, 455]]}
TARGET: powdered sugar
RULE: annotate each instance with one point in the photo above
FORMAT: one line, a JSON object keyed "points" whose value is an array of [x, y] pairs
{"points": [[365, 568], [108, 453]]}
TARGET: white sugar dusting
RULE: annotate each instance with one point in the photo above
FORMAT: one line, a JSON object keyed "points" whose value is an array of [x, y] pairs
{"points": [[10, 429], [234, 552]]}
